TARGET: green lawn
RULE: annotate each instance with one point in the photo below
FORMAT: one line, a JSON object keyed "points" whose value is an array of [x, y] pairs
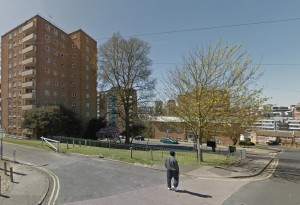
{"points": [[135, 156]]}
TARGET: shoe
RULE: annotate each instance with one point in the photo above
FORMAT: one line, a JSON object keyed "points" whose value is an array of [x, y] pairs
{"points": [[169, 188], [174, 188]]}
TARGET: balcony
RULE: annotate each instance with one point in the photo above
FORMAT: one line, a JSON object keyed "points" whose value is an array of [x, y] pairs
{"points": [[28, 72], [28, 107], [29, 61], [29, 39], [29, 50], [29, 27], [28, 96], [28, 84]]}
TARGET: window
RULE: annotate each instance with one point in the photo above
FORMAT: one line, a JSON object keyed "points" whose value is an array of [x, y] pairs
{"points": [[20, 52], [55, 83], [55, 42], [87, 58], [9, 36], [55, 93], [55, 53], [74, 65], [62, 36], [74, 94], [73, 46], [20, 41], [62, 94], [74, 36], [74, 104], [47, 27], [62, 74], [47, 38], [55, 73], [20, 62], [55, 62], [87, 49], [87, 105], [87, 40], [87, 77], [87, 67], [74, 85], [47, 82], [87, 95], [63, 46], [74, 56], [55, 32], [87, 86], [15, 33], [47, 49], [47, 70], [47, 60], [47, 93], [73, 75]]}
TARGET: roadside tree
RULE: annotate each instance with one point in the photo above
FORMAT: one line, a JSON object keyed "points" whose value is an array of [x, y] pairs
{"points": [[51, 120], [210, 85], [124, 65]]}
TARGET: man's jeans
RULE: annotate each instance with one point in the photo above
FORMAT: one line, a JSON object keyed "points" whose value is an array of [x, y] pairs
{"points": [[172, 174]]}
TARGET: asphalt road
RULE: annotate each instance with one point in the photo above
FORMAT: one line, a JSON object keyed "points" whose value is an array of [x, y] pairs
{"points": [[83, 177], [281, 188]]}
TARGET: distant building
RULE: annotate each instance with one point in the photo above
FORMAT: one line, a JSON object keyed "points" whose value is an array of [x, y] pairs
{"points": [[158, 108], [171, 106], [110, 107], [43, 65]]}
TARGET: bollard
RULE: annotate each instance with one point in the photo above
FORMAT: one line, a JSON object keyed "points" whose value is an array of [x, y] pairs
{"points": [[11, 174], [5, 168], [130, 152]]}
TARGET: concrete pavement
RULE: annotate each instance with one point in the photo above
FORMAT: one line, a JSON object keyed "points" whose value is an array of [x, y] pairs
{"points": [[198, 185]]}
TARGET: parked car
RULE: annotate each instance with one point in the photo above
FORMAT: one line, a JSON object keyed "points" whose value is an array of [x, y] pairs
{"points": [[168, 140], [270, 142], [139, 137]]}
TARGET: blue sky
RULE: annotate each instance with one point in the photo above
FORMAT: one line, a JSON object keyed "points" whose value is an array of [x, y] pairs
{"points": [[274, 45]]}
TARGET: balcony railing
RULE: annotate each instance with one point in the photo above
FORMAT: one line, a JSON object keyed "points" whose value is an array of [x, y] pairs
{"points": [[29, 38], [28, 72], [29, 26], [28, 61], [28, 96], [28, 107], [28, 84], [29, 49]]}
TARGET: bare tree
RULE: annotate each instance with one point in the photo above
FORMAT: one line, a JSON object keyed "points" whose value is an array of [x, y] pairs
{"points": [[209, 87], [124, 65]]}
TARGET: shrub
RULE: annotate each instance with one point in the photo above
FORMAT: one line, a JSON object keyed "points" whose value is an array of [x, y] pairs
{"points": [[246, 143]]}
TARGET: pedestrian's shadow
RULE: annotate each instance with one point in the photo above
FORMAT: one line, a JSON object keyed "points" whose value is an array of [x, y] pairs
{"points": [[194, 194]]}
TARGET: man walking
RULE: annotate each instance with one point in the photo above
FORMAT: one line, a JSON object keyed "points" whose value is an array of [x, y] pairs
{"points": [[172, 171]]}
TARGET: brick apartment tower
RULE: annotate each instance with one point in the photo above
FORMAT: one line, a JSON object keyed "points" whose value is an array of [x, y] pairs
{"points": [[43, 65]]}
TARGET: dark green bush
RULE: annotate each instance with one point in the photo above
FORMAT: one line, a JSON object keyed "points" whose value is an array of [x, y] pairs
{"points": [[246, 143]]}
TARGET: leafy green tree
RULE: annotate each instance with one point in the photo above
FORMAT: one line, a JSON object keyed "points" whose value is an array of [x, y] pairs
{"points": [[52, 120], [214, 86]]}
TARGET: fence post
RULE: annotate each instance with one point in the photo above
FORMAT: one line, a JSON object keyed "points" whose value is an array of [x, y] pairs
{"points": [[151, 154], [73, 142], [67, 144], [130, 152], [14, 153], [79, 142], [5, 168], [11, 174], [85, 142], [58, 146]]}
